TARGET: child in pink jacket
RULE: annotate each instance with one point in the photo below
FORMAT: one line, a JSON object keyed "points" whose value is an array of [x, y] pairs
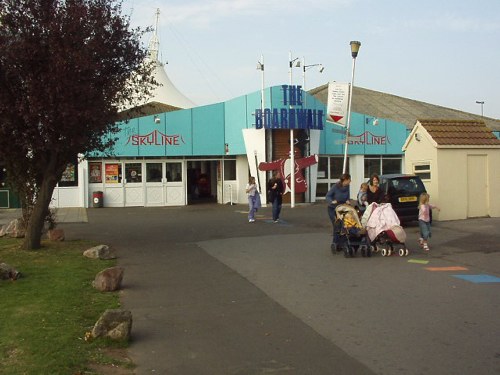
{"points": [[424, 220]]}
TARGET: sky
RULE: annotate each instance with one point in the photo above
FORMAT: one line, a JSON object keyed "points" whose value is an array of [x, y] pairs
{"points": [[445, 53]]}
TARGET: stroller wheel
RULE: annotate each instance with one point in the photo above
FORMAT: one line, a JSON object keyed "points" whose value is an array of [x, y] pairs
{"points": [[333, 248], [384, 252], [363, 250], [401, 252], [345, 249], [407, 252], [352, 251], [369, 250]]}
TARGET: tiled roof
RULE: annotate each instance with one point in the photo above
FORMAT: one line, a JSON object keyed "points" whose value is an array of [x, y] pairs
{"points": [[399, 109], [460, 133]]}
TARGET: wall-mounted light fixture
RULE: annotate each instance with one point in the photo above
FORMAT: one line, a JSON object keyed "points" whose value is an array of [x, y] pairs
{"points": [[157, 119], [417, 137]]}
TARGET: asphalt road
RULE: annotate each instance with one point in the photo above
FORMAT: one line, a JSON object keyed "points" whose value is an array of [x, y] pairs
{"points": [[211, 293]]}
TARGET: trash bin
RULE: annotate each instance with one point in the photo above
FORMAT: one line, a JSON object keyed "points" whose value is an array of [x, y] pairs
{"points": [[97, 198]]}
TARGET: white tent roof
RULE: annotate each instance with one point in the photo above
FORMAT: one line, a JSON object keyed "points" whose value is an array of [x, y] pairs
{"points": [[166, 93]]}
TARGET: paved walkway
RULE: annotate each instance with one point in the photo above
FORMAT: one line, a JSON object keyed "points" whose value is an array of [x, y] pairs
{"points": [[212, 294]]}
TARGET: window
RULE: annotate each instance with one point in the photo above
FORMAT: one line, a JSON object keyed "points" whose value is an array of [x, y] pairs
{"points": [[70, 175], [329, 171], [330, 167], [337, 166], [380, 164], [229, 170], [422, 170], [95, 173], [153, 172], [174, 172], [133, 172]]}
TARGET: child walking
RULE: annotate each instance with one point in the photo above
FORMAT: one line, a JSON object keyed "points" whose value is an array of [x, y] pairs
{"points": [[252, 193], [424, 220]]}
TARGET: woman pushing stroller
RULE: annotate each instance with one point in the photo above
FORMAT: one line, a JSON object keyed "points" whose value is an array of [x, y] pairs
{"points": [[338, 194]]}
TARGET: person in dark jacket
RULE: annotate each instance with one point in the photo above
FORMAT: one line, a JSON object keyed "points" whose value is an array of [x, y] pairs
{"points": [[338, 194], [275, 194]]}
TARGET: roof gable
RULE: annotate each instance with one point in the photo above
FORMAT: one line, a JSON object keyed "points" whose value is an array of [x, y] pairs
{"points": [[459, 133]]}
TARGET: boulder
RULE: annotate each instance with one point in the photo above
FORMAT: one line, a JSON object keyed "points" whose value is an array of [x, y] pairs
{"points": [[109, 279], [115, 324], [56, 234], [7, 272], [14, 229], [99, 252]]}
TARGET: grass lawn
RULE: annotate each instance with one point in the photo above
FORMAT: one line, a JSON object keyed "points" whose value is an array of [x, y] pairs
{"points": [[44, 315]]}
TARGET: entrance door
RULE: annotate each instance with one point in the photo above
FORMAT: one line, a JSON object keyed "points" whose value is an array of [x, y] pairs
{"points": [[175, 191], [113, 191], [155, 184], [202, 181], [134, 192], [477, 186]]}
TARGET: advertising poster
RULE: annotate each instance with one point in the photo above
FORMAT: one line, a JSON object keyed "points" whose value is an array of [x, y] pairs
{"points": [[112, 173], [95, 173], [338, 99]]}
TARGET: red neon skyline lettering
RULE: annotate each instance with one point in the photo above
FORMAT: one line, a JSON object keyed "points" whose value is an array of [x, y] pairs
{"points": [[155, 138], [368, 138]]}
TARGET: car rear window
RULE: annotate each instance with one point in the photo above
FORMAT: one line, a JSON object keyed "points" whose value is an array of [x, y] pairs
{"points": [[407, 185]]}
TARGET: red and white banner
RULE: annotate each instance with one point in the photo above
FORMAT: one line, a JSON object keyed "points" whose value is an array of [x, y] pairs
{"points": [[338, 98]]}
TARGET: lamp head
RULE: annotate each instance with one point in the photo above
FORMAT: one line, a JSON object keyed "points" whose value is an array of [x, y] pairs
{"points": [[321, 68], [260, 66], [355, 48]]}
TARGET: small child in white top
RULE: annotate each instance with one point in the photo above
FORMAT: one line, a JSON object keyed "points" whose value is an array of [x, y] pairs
{"points": [[424, 219], [362, 196]]}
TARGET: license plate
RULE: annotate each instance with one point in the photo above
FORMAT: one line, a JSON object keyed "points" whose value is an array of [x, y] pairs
{"points": [[408, 199]]}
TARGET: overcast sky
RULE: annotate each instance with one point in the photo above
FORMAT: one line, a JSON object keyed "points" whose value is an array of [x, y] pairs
{"points": [[441, 52]]}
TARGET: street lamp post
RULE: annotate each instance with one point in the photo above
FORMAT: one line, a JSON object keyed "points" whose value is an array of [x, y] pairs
{"points": [[291, 64], [482, 105], [354, 53], [305, 67]]}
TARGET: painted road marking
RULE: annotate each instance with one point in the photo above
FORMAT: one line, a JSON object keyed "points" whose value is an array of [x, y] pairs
{"points": [[479, 278], [419, 261], [456, 268]]}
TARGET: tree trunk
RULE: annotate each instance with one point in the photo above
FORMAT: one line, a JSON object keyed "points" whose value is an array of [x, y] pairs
{"points": [[33, 236]]}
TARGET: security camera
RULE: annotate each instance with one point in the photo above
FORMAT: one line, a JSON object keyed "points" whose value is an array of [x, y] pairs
{"points": [[157, 120]]}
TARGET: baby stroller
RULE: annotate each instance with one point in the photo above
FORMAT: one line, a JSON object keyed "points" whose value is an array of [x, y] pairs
{"points": [[384, 229], [348, 234]]}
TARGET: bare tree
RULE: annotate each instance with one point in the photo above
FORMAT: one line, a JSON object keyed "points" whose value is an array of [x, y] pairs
{"points": [[66, 68]]}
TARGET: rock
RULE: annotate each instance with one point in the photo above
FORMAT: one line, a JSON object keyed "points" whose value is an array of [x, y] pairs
{"points": [[115, 324], [56, 235], [7, 272], [109, 279], [99, 252], [14, 229]]}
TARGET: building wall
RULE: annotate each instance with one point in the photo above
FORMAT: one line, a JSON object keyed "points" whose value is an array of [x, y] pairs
{"points": [[457, 190], [450, 186], [424, 152]]}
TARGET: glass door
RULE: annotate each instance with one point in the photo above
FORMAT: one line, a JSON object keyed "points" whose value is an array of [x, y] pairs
{"points": [[134, 191], [155, 184]]}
